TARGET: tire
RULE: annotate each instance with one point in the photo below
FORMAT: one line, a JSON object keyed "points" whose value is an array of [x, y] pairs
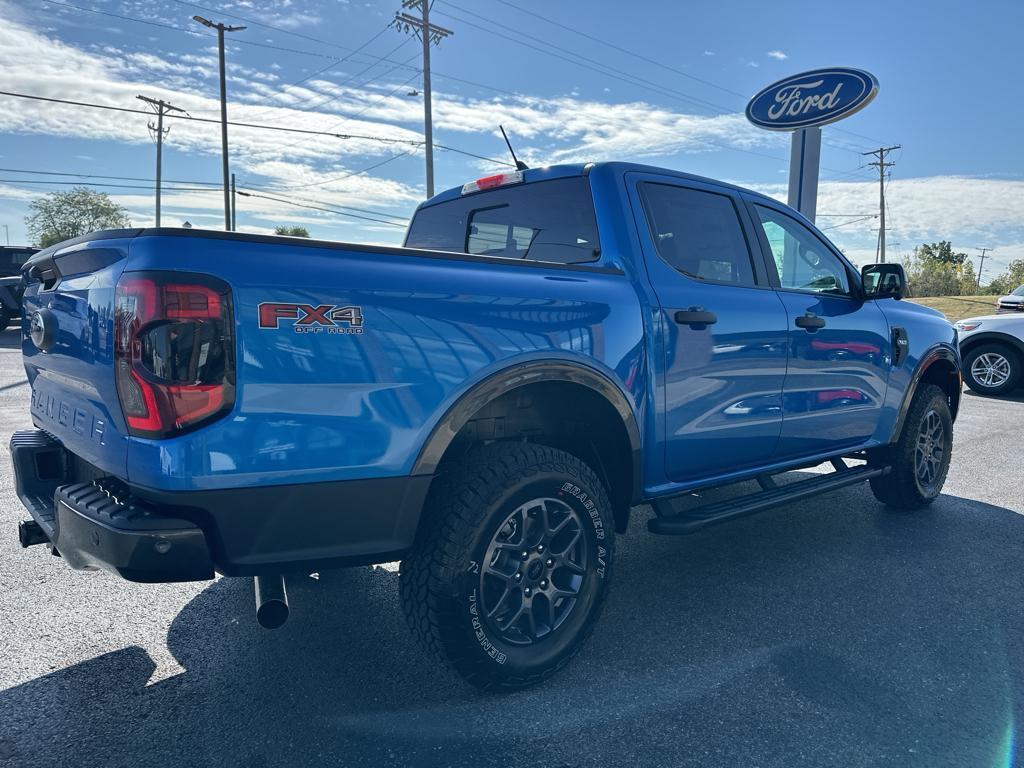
{"points": [[992, 369], [459, 590], [5, 318], [913, 481]]}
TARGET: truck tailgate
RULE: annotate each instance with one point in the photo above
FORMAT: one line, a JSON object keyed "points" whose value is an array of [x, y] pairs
{"points": [[68, 348]]}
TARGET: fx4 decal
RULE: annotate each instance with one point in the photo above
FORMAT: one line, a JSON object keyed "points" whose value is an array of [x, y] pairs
{"points": [[306, 318]]}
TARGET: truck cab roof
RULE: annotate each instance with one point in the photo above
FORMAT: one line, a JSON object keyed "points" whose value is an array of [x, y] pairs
{"points": [[618, 168]]}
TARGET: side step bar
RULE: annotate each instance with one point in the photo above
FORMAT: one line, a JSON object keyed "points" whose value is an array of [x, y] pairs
{"points": [[731, 509]]}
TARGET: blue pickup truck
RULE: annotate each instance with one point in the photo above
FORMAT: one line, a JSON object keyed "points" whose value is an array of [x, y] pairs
{"points": [[550, 348]]}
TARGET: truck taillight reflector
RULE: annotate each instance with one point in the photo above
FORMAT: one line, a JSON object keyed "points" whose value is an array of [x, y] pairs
{"points": [[490, 182], [174, 351]]}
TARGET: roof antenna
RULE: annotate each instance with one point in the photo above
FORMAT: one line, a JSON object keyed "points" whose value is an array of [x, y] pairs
{"points": [[520, 165]]}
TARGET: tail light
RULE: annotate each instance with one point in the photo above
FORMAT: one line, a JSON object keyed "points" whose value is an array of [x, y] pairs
{"points": [[174, 351]]}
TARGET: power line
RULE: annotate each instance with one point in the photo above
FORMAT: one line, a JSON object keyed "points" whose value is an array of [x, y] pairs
{"points": [[585, 61], [102, 176], [852, 221], [113, 186], [617, 74], [562, 53], [373, 167], [636, 55], [368, 211], [328, 98], [321, 208], [183, 30], [383, 139], [333, 64]]}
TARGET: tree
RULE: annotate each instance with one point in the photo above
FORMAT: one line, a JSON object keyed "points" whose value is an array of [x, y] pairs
{"points": [[292, 231], [1010, 280], [935, 270], [940, 252], [61, 216]]}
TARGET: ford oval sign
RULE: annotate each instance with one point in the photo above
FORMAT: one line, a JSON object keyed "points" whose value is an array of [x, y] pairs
{"points": [[812, 98]]}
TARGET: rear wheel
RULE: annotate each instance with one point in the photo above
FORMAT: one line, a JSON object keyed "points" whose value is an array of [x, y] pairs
{"points": [[992, 369], [919, 460], [5, 318], [512, 565]]}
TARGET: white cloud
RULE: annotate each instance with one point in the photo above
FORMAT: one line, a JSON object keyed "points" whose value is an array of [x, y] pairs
{"points": [[971, 212], [779, 55]]}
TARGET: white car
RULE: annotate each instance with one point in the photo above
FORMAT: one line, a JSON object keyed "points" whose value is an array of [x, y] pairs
{"points": [[1012, 302], [992, 350]]}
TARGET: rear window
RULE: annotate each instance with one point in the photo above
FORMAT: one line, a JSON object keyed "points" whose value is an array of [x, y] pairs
{"points": [[551, 221]]}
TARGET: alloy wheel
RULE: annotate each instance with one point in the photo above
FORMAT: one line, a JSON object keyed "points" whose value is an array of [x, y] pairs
{"points": [[930, 451], [533, 570], [990, 369]]}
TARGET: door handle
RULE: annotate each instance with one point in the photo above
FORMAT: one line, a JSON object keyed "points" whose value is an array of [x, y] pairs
{"points": [[696, 316], [810, 322]]}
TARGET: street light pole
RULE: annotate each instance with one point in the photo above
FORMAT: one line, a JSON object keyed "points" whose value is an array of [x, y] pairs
{"points": [[221, 29]]}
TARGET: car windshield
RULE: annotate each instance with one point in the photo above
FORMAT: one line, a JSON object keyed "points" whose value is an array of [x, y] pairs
{"points": [[1019, 291]]}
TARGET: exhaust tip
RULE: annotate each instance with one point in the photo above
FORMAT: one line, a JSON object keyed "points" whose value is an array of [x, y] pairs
{"points": [[272, 614], [271, 601]]}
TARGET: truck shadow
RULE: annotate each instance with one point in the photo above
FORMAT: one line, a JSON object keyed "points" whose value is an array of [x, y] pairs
{"points": [[829, 631]]}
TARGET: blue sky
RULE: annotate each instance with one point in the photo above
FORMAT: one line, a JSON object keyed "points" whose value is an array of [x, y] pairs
{"points": [[671, 93]]}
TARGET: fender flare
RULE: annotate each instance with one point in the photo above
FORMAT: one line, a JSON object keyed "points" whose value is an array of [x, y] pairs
{"points": [[508, 379], [928, 359]]}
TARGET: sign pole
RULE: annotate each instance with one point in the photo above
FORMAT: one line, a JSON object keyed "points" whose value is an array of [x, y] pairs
{"points": [[804, 157]]}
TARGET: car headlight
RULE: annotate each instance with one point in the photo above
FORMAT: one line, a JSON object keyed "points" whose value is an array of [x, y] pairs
{"points": [[968, 325]]}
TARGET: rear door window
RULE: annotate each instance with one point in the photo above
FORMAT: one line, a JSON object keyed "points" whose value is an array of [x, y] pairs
{"points": [[698, 233], [550, 221]]}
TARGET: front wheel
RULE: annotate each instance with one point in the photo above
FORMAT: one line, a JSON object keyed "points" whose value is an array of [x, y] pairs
{"points": [[512, 564], [919, 460]]}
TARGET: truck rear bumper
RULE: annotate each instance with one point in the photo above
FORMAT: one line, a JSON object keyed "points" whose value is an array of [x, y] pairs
{"points": [[148, 535], [96, 525]]}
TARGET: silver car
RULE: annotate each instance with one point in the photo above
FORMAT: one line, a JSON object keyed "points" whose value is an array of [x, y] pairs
{"points": [[992, 349], [1011, 302]]}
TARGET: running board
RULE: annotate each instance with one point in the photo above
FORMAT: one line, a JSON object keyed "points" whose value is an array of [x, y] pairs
{"points": [[741, 506]]}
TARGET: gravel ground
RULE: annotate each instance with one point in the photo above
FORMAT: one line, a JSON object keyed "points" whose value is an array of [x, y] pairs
{"points": [[824, 633]]}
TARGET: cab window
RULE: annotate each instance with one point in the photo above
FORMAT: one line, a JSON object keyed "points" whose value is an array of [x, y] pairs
{"points": [[698, 233], [549, 221], [801, 258]]}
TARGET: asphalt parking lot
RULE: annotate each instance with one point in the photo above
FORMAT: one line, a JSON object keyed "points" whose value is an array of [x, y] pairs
{"points": [[828, 632]]}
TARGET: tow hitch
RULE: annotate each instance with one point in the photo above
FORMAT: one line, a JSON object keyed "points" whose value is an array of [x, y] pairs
{"points": [[271, 601], [31, 533]]}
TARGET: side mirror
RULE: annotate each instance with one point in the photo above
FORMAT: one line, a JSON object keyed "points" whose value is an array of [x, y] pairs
{"points": [[883, 281]]}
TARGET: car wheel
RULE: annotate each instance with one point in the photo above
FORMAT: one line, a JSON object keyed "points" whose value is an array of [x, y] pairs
{"points": [[5, 318], [919, 460], [512, 564], [992, 369]]}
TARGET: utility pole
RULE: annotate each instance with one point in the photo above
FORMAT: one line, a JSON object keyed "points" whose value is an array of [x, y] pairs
{"points": [[880, 153], [428, 34], [158, 131], [221, 29], [234, 205], [981, 266]]}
